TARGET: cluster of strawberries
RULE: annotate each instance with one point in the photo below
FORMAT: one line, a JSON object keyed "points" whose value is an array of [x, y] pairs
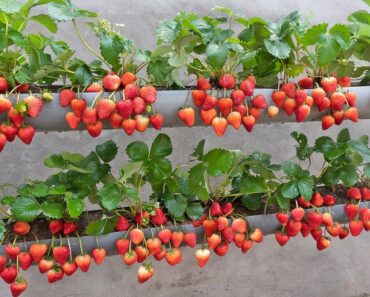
{"points": [[329, 98], [311, 222], [133, 112], [16, 112], [240, 107]]}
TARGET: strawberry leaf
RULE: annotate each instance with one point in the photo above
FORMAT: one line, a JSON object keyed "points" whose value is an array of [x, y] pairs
{"points": [[10, 6], [25, 209], [197, 183], [216, 55], [53, 210], [46, 21], [219, 161], [343, 136], [75, 205], [176, 205], [110, 196], [290, 190], [137, 151], [107, 151], [252, 185], [101, 227], [195, 210], [278, 49], [161, 147], [252, 202], [66, 11], [199, 150]]}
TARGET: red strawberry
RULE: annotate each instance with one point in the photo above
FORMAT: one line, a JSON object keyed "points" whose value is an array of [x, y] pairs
{"points": [[249, 122], [18, 287], [190, 239], [69, 268], [344, 81], [139, 105], [334, 230], [25, 260], [45, 265], [242, 109], [222, 223], [2, 141], [293, 228], [239, 225], [227, 209], [278, 97], [305, 83], [300, 96], [145, 272], [197, 223], [228, 234], [131, 91], [324, 104], [115, 120], [256, 235], [176, 238], [329, 84], [213, 241], [4, 86], [122, 224], [255, 112], [302, 112], [351, 210], [343, 233], [327, 219], [247, 87], [272, 111], [225, 105], [125, 108], [222, 249], [95, 129], [302, 202], [289, 105], [203, 84], [122, 246], [94, 88], [289, 89], [12, 251], [238, 97], [351, 114], [327, 121], [282, 218], [215, 209], [305, 229], [83, 262], [130, 258], [173, 256], [90, 116], [55, 227], [142, 122], [318, 95], [281, 238], [323, 243], [9, 274], [159, 218], [365, 192], [219, 126], [356, 227], [198, 97], [65, 97], [187, 115], [354, 193], [78, 106], [69, 227], [142, 253], [309, 101], [314, 219], [317, 199], [26, 134], [351, 98], [21, 228], [297, 213], [259, 101], [209, 102], [142, 218], [209, 227], [38, 251], [61, 254], [246, 246], [128, 78], [316, 233], [72, 120], [329, 200], [136, 236], [227, 81], [129, 126], [148, 93], [165, 235], [34, 105], [9, 130], [5, 104], [55, 274], [239, 239], [111, 82], [156, 120], [202, 256], [337, 100], [105, 108], [208, 115], [338, 116]]}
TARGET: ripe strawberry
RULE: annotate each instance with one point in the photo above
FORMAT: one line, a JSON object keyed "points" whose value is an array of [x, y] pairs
{"points": [[129, 258], [248, 122], [338, 116], [34, 105], [227, 209], [99, 255], [255, 112], [365, 192], [55, 274], [94, 88], [125, 108], [215, 209], [198, 97], [209, 102], [272, 111], [18, 287], [69, 227], [94, 129], [12, 251], [247, 87], [259, 101], [227, 81], [225, 105], [142, 253], [246, 246], [161, 255], [187, 115], [83, 262], [213, 241], [45, 265], [115, 120], [327, 121], [128, 78], [306, 83], [300, 96], [122, 224], [38, 251], [4, 86], [289, 105], [90, 116], [190, 239], [293, 228], [237, 96], [219, 126], [136, 236], [25, 260], [365, 214], [165, 235], [148, 93], [142, 122], [156, 120], [9, 274], [209, 227], [176, 238], [139, 105], [242, 109], [173, 256], [61, 254], [208, 115], [329, 200], [329, 84], [282, 218], [297, 213], [131, 91], [239, 239], [337, 100], [222, 249], [159, 217], [302, 112], [9, 130], [69, 268], [105, 107], [129, 126], [351, 114], [302, 202], [344, 81], [334, 230], [323, 243], [203, 84], [239, 225], [289, 89], [327, 219], [55, 227], [256, 235], [72, 120], [222, 223], [111, 82], [354, 193], [281, 238], [351, 98], [317, 199], [2, 141], [145, 272], [197, 223], [309, 101], [26, 133], [21, 228], [314, 219], [356, 227], [324, 104], [78, 106], [305, 229], [343, 233], [5, 104], [65, 97], [202, 256], [278, 97], [122, 246], [228, 234], [318, 95], [351, 210], [316, 233]]}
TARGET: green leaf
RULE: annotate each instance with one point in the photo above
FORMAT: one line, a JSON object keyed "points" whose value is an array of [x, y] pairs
{"points": [[83, 75], [159, 169], [219, 161], [252, 202], [195, 210], [313, 35], [278, 48], [167, 31], [199, 150], [54, 210], [38, 189], [283, 202], [303, 151], [110, 196], [107, 151], [104, 226], [305, 187], [2, 230], [348, 174], [252, 184], [291, 169], [161, 147], [176, 205], [216, 55], [137, 151], [131, 193], [197, 183], [111, 48], [343, 136], [10, 6], [290, 190], [57, 190], [179, 59], [66, 11], [367, 170], [75, 205], [324, 144], [25, 209], [46, 21]]}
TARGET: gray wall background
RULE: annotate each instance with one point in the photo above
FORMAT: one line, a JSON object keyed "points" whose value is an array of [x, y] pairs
{"points": [[268, 270]]}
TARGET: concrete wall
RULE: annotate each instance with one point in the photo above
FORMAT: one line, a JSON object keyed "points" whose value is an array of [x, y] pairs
{"points": [[297, 270]]}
